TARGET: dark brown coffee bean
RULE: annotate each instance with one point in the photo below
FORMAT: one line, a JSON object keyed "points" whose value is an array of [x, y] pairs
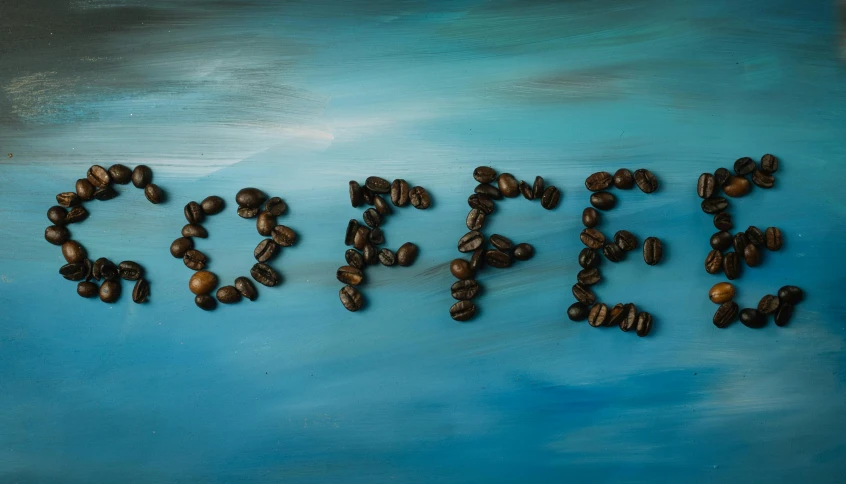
{"points": [[228, 295], [731, 265], [202, 282], [598, 181], [577, 312], [643, 325], [752, 255], [762, 179], [283, 236], [721, 240], [387, 257], [598, 315], [370, 254], [85, 190], [625, 240], [484, 174], [592, 238], [105, 269], [109, 291], [461, 269], [191, 230], [721, 176], [73, 252], [613, 253], [629, 321], [205, 302], [372, 217], [142, 175], [212, 205], [399, 192], [351, 298], [714, 205], [537, 187], [751, 318], [583, 294], [722, 221], [523, 251], [77, 271], [616, 315], [76, 214], [740, 241], [264, 274], [501, 242], [180, 246], [462, 311], [246, 288], [526, 190], [105, 193], [768, 304], [706, 186], [98, 176], [57, 215], [352, 228], [407, 254], [361, 237], [465, 290], [551, 197], [589, 258], [377, 184], [726, 314], [477, 260], [653, 250], [714, 262], [265, 250], [790, 295], [250, 197], [590, 217], [275, 206], [194, 260], [507, 185], [475, 219], [67, 199], [603, 200], [623, 179], [756, 236], [773, 237], [354, 258], [646, 181], [498, 259], [87, 289], [470, 241], [489, 191], [130, 271], [377, 237], [120, 174], [154, 194], [482, 203], [141, 291], [420, 198], [769, 164], [194, 213], [744, 166], [367, 195], [56, 234], [356, 195], [783, 314], [381, 205], [589, 277]]}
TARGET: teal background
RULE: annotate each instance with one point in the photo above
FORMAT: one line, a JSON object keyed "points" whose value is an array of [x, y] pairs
{"points": [[297, 98]]}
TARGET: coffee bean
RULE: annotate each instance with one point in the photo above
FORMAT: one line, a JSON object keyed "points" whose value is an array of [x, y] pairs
{"points": [[583, 294], [616, 315], [751, 318], [407, 254], [725, 314], [202, 282], [489, 191], [228, 295], [721, 240], [623, 179], [370, 254], [352, 228], [142, 175], [84, 189], [629, 321], [57, 214], [356, 195], [109, 291], [381, 205], [598, 315], [194, 260], [590, 217], [475, 219], [76, 214], [756, 236], [625, 240], [399, 192], [577, 312], [592, 238], [56, 234], [643, 325], [180, 246], [613, 253], [87, 289], [646, 180], [67, 199], [774, 239], [589, 258], [722, 221], [744, 166], [551, 197], [98, 176], [120, 174], [77, 271], [603, 200], [752, 255], [790, 295], [740, 241], [205, 302], [275, 206], [354, 258], [721, 292], [714, 205], [419, 198], [653, 250], [191, 230], [462, 311], [105, 269], [283, 235], [537, 187], [194, 213], [714, 262], [470, 241], [762, 179], [265, 250], [465, 290], [589, 277], [501, 242], [153, 193], [367, 195], [130, 271], [731, 265], [351, 298], [377, 237], [372, 217], [477, 260], [721, 176], [246, 288], [387, 257], [141, 291], [769, 164], [482, 203], [737, 186], [498, 259], [706, 186], [105, 193], [523, 251], [377, 184], [507, 185], [266, 275], [526, 190], [484, 174], [361, 237], [250, 197], [212, 205], [598, 181], [783, 314], [768, 304], [460, 268], [73, 252]]}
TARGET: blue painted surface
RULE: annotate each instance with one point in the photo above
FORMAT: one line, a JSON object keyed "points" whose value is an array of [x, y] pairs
{"points": [[299, 98]]}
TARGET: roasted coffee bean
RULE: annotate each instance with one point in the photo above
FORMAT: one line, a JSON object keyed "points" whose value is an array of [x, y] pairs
{"points": [[653, 250], [460, 269], [489, 191], [740, 241], [538, 187], [57, 215], [212, 205], [613, 253], [526, 190], [731, 265], [141, 291], [56, 234], [589, 258], [523, 251], [105, 193], [484, 174], [714, 262], [790, 295], [130, 271], [361, 237], [721, 292], [87, 289], [266, 275], [756, 236], [616, 315], [721, 240], [706, 186], [592, 238], [783, 314], [643, 325], [67, 199], [73, 252], [737, 186], [194, 260], [762, 179], [194, 213], [623, 179], [250, 197], [372, 217], [475, 219], [120, 174], [153, 193], [629, 321], [419, 198], [598, 181], [768, 304], [283, 235], [482, 203], [205, 302], [714, 205], [367, 195], [773, 238], [646, 180], [598, 315], [744, 166], [76, 214], [498, 259], [590, 217], [377, 237], [577, 312], [477, 260], [462, 311], [370, 254], [356, 195], [721, 176], [722, 221], [589, 277], [551, 197], [354, 258], [726, 314], [98, 176], [275, 206], [583, 294], [387, 257], [769, 164], [202, 282], [381, 205], [352, 228], [407, 254], [751, 318], [603, 200], [180, 246], [752, 255], [377, 184], [351, 298], [77, 271], [191, 230], [109, 291], [465, 290], [625, 240], [105, 269], [399, 192], [507, 185], [85, 190], [265, 250], [228, 295], [501, 242], [142, 175], [470, 241], [246, 288]]}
